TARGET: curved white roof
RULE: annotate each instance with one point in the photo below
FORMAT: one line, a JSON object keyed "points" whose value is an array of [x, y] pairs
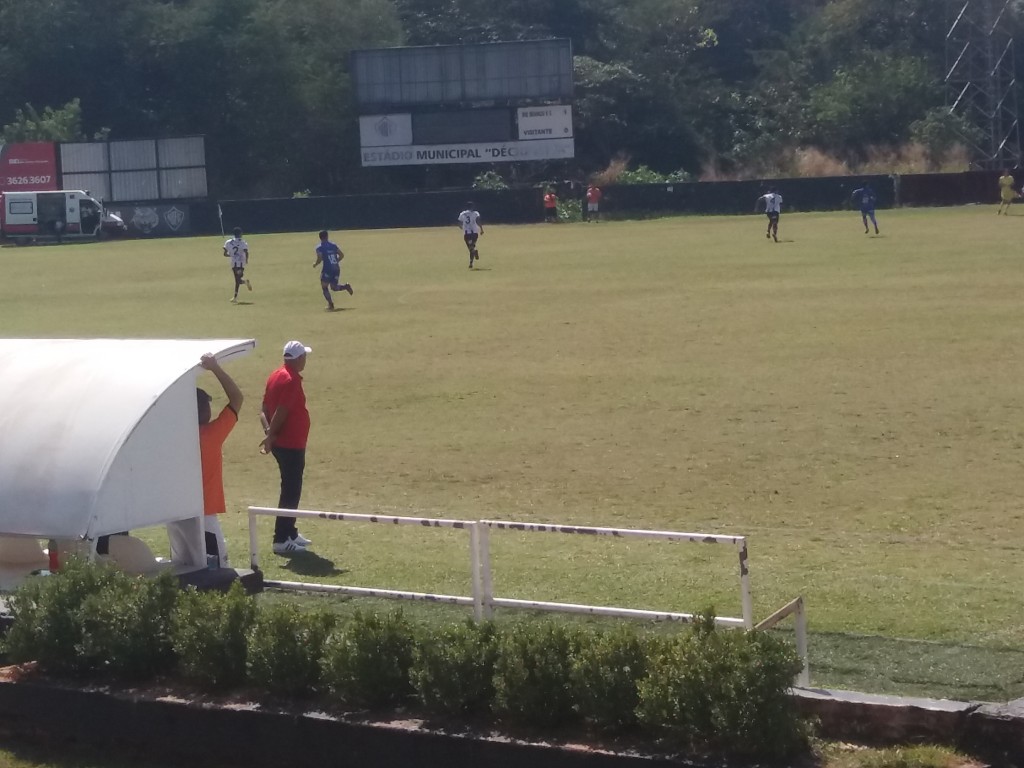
{"points": [[100, 435]]}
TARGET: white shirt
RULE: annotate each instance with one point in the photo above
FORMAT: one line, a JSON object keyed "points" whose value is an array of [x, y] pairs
{"points": [[238, 251], [470, 221], [772, 202]]}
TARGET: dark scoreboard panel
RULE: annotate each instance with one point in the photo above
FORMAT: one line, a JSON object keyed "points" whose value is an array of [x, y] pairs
{"points": [[464, 126], [397, 79]]}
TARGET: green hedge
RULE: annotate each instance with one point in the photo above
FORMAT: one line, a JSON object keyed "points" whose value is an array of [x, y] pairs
{"points": [[697, 689]]}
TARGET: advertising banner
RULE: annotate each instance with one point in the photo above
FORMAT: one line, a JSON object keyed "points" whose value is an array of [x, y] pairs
{"points": [[154, 220], [28, 167], [385, 130], [484, 152], [553, 122]]}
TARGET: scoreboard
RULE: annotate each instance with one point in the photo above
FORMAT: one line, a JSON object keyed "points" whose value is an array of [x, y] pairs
{"points": [[494, 102]]}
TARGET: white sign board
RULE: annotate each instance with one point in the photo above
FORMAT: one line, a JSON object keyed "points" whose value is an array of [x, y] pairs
{"points": [[484, 152], [551, 122], [385, 130]]}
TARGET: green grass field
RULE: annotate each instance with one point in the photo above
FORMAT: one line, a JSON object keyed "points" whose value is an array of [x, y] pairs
{"points": [[853, 404]]}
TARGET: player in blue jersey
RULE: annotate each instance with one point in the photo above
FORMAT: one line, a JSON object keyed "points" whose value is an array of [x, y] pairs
{"points": [[328, 258], [865, 196]]}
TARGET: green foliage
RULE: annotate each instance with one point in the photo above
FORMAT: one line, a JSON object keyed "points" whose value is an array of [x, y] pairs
{"points": [[605, 674], [210, 635], [644, 175], [489, 180], [533, 674], [921, 756], [87, 619], [367, 662], [872, 101], [128, 626], [723, 691], [285, 648], [570, 209], [452, 671], [939, 132], [674, 83], [64, 124]]}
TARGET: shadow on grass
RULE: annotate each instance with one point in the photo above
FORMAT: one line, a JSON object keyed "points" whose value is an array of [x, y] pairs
{"points": [[311, 564], [904, 667]]}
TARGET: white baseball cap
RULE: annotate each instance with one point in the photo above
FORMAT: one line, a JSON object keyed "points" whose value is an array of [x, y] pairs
{"points": [[295, 349]]}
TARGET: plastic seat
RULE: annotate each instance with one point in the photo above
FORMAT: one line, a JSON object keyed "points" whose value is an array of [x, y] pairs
{"points": [[19, 550], [133, 555]]}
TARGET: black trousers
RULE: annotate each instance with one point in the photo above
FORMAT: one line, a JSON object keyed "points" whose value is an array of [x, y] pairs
{"points": [[292, 463]]}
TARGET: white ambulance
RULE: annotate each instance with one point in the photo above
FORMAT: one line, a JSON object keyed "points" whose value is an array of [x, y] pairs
{"points": [[69, 214]]}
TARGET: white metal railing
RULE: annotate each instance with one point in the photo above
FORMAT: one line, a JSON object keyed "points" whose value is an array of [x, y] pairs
{"points": [[483, 599], [794, 608]]}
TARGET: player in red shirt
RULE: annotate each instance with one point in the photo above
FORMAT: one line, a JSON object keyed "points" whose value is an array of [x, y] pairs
{"points": [[286, 422], [594, 196], [550, 206]]}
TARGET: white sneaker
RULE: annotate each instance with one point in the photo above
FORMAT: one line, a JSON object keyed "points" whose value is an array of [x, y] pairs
{"points": [[288, 546], [302, 541]]}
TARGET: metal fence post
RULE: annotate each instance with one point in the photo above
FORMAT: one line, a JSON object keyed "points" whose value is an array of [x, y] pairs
{"points": [[254, 561], [474, 568], [804, 678], [486, 583], [747, 601]]}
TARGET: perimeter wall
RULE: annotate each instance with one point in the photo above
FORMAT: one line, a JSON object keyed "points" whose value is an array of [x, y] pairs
{"points": [[523, 206]]}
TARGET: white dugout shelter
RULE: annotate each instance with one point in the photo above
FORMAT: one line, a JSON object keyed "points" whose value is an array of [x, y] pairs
{"points": [[99, 436]]}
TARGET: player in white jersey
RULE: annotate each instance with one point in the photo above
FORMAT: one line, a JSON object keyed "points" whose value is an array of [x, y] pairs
{"points": [[471, 230], [237, 250], [772, 207]]}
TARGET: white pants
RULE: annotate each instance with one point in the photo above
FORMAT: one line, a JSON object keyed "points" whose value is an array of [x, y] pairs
{"points": [[188, 541]]}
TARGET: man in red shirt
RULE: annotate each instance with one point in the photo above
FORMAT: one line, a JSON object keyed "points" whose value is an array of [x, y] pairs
{"points": [[594, 195], [286, 421], [550, 206]]}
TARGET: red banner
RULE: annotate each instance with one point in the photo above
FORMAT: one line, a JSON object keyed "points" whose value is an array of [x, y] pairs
{"points": [[28, 167]]}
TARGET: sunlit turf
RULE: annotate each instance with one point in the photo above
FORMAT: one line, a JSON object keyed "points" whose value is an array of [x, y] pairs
{"points": [[852, 403]]}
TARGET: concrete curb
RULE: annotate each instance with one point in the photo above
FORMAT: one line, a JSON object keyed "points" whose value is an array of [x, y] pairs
{"points": [[994, 732], [254, 734], [249, 734]]}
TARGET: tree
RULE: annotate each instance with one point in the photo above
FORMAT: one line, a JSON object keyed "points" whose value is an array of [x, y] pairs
{"points": [[872, 102], [64, 124]]}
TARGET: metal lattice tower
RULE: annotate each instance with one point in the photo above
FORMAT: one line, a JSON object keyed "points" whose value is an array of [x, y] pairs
{"points": [[981, 85]]}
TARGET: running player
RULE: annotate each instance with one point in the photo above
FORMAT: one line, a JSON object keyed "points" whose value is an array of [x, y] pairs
{"points": [[330, 256], [471, 230], [237, 250], [1006, 193], [866, 197], [773, 208]]}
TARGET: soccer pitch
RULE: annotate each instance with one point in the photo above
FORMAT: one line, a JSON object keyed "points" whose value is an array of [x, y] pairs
{"points": [[851, 403]]}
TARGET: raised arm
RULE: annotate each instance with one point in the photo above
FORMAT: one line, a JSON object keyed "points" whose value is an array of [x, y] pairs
{"points": [[234, 394]]}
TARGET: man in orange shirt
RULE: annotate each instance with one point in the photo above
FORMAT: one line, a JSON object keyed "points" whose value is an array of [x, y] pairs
{"points": [[550, 206], [212, 434]]}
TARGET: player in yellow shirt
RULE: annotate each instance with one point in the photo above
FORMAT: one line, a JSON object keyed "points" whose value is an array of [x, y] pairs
{"points": [[1006, 192]]}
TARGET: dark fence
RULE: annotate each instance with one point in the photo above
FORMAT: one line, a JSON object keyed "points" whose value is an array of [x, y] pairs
{"points": [[523, 206], [722, 197]]}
